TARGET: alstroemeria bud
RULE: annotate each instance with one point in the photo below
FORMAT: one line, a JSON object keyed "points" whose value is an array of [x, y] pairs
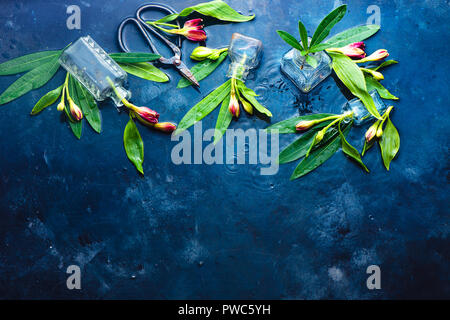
{"points": [[61, 106], [247, 106], [375, 74], [353, 50], [201, 53], [380, 131], [147, 114], [319, 136], [372, 132], [75, 111], [192, 29], [167, 127], [305, 125], [234, 106], [376, 56]]}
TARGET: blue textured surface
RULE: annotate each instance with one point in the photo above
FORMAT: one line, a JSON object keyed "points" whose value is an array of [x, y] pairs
{"points": [[224, 231]]}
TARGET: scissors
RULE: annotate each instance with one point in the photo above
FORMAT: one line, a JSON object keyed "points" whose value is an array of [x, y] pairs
{"points": [[144, 28]]}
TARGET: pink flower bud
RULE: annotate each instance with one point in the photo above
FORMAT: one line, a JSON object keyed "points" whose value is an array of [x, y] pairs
{"points": [[353, 50], [304, 125], [234, 106], [378, 55], [147, 114], [372, 132], [75, 111], [165, 127], [192, 29]]}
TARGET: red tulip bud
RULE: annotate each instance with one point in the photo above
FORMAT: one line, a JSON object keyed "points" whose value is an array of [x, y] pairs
{"points": [[167, 127]]}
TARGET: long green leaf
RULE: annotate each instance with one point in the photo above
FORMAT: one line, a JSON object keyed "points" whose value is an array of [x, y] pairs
{"points": [[350, 151], [320, 154], [216, 9], [298, 148], [202, 69], [303, 35], [76, 126], [28, 62], [89, 107], [389, 143], [134, 57], [250, 95], [324, 28], [373, 84], [223, 120], [290, 40], [47, 100], [145, 71], [288, 126], [346, 37], [31, 80], [134, 146], [204, 107], [353, 78]]}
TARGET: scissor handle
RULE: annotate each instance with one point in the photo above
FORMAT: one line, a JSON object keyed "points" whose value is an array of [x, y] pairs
{"points": [[123, 44], [175, 48]]}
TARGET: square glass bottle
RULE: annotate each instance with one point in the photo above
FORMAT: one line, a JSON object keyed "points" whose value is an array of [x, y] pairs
{"points": [[92, 66], [360, 113], [245, 53], [303, 75]]}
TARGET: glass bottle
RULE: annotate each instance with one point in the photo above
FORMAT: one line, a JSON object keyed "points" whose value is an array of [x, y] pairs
{"points": [[360, 113], [91, 66], [245, 53], [303, 75]]}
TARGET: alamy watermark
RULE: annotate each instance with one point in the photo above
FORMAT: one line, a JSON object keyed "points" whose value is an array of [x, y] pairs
{"points": [[74, 20], [241, 147]]}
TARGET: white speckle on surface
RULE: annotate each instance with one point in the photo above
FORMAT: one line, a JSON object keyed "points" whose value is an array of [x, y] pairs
{"points": [[335, 274]]}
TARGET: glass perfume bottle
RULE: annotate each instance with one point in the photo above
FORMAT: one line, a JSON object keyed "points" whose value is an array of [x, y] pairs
{"points": [[91, 66], [303, 75], [360, 113], [245, 53]]}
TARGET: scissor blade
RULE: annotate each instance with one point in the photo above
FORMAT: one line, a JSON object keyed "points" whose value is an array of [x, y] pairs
{"points": [[185, 72]]}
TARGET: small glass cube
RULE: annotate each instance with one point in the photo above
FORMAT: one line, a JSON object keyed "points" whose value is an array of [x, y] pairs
{"points": [[303, 75], [245, 53], [92, 66], [360, 113]]}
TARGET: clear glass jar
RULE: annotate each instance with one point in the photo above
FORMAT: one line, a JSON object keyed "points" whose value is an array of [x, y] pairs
{"points": [[245, 53], [360, 113], [303, 75], [91, 66]]}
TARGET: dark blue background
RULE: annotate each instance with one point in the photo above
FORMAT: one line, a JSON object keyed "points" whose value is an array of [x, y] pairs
{"points": [[224, 231]]}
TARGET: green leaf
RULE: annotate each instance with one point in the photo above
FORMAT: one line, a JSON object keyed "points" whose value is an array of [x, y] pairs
{"points": [[134, 57], [303, 35], [145, 71], [250, 95], [346, 37], [373, 84], [389, 143], [288, 126], [385, 64], [298, 148], [290, 40], [31, 80], [202, 69], [223, 120], [311, 61], [28, 62], [353, 78], [47, 100], [216, 9], [76, 126], [204, 107], [350, 151], [320, 154], [134, 146], [324, 28], [88, 106], [367, 146]]}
